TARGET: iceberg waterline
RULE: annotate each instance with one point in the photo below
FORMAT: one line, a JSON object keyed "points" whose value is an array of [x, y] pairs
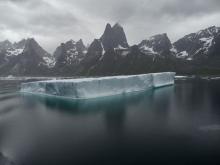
{"points": [[86, 88]]}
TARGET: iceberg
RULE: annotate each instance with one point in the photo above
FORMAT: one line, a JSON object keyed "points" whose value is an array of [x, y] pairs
{"points": [[86, 88]]}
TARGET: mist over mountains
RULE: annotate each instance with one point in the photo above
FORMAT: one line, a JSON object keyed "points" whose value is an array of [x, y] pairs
{"points": [[195, 53]]}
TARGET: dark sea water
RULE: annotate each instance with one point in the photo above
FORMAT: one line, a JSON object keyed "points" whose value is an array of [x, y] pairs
{"points": [[172, 125]]}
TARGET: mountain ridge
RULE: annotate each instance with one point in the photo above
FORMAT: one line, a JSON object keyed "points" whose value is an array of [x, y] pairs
{"points": [[111, 54]]}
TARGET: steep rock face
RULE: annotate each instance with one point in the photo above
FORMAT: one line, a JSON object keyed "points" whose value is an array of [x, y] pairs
{"points": [[69, 53], [81, 47], [196, 45], [214, 50], [104, 53], [157, 45], [94, 54], [8, 49], [114, 37], [4, 45], [26, 57], [111, 55]]}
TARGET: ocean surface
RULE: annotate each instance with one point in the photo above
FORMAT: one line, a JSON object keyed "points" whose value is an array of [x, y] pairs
{"points": [[177, 124]]}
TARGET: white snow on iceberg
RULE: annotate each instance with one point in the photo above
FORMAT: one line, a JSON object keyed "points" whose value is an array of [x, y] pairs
{"points": [[86, 88]]}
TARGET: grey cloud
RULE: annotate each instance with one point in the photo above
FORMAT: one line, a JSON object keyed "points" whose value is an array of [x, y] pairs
{"points": [[54, 21], [195, 7]]}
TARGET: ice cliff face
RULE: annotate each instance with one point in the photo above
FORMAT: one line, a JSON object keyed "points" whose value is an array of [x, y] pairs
{"points": [[99, 87]]}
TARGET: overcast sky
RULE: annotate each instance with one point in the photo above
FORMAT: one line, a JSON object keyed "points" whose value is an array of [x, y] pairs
{"points": [[51, 22]]}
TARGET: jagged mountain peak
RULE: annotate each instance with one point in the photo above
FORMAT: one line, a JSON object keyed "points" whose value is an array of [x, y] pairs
{"points": [[204, 33], [13, 49], [69, 43], [6, 44], [31, 42], [197, 44], [210, 31], [80, 46], [158, 36], [70, 52], [80, 41], [32, 49], [114, 37], [96, 46], [158, 44], [117, 25], [108, 26], [74, 43], [20, 44]]}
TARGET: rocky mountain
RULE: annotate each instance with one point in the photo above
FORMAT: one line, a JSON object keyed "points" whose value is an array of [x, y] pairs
{"points": [[187, 55], [25, 57], [156, 45], [106, 52], [108, 55], [196, 45], [95, 53], [69, 53], [9, 50], [111, 54], [114, 37], [195, 53]]}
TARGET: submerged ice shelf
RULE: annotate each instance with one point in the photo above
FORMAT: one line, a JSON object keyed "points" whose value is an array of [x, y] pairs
{"points": [[86, 88]]}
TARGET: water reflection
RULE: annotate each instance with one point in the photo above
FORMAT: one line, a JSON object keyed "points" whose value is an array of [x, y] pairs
{"points": [[173, 121], [112, 103], [114, 109]]}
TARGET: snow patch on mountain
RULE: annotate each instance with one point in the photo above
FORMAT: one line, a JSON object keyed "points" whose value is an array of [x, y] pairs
{"points": [[103, 51], [14, 52], [50, 61], [156, 45], [173, 50], [182, 54], [207, 43], [69, 53], [119, 47], [197, 44], [148, 50], [124, 53]]}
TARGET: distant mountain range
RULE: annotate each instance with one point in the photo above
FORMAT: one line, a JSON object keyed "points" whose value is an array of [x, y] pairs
{"points": [[195, 53]]}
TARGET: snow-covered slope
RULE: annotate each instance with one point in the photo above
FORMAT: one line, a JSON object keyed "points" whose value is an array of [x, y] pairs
{"points": [[11, 50], [99, 87], [25, 57], [196, 44]]}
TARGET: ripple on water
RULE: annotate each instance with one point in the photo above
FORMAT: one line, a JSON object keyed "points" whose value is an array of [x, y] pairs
{"points": [[8, 102], [215, 127]]}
